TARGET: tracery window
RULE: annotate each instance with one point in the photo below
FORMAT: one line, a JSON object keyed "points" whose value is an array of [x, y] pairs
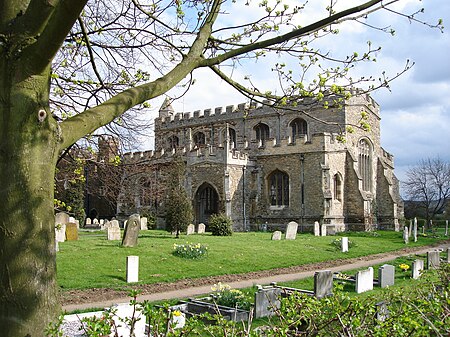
{"points": [[299, 128], [173, 142], [365, 164], [279, 188], [262, 133], [199, 139]]}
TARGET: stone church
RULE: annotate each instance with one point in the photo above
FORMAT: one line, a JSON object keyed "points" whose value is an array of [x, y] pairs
{"points": [[265, 166]]}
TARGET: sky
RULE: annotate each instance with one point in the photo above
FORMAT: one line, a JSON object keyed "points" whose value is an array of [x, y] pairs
{"points": [[415, 113]]}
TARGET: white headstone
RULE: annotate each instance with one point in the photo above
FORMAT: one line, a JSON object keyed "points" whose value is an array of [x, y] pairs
{"points": [[95, 221], [410, 229], [126, 311], [433, 259], [415, 230], [132, 269], [190, 229], [114, 223], [364, 280], [405, 235], [60, 232], [144, 222], [276, 235], [291, 230], [101, 222], [417, 267], [446, 227], [113, 233], [201, 228], [344, 244], [316, 228], [88, 221], [323, 230], [386, 275]]}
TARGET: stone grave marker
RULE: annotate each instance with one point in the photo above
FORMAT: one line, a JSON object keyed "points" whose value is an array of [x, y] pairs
{"points": [[95, 221], [88, 221], [77, 223], [144, 223], [416, 269], [71, 232], [101, 222], [344, 244], [364, 280], [433, 259], [316, 228], [190, 229], [386, 275], [276, 235], [113, 233], [131, 233], [448, 255], [323, 283], [405, 235], [323, 230], [415, 230], [201, 228], [132, 269], [382, 311], [267, 300], [291, 230], [61, 218], [71, 219], [60, 232], [446, 227], [410, 229], [423, 229], [114, 223]]}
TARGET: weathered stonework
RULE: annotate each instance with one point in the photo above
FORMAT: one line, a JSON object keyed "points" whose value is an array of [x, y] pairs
{"points": [[252, 164]]}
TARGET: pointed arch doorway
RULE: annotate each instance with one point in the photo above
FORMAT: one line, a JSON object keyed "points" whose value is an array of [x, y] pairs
{"points": [[206, 203]]}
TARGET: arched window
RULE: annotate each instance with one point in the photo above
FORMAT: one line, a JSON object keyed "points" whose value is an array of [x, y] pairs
{"points": [[299, 128], [173, 142], [279, 188], [262, 133], [199, 139], [337, 180], [365, 164], [232, 137]]}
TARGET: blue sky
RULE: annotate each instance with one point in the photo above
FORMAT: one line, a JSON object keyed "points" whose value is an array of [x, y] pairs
{"points": [[415, 113]]}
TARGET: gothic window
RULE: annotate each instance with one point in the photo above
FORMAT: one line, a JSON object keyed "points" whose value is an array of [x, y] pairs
{"points": [[299, 128], [232, 137], [365, 164], [199, 139], [279, 188], [262, 133], [337, 187], [173, 142]]}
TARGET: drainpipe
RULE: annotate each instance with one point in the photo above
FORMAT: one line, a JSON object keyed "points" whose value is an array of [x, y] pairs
{"points": [[244, 216], [302, 188]]}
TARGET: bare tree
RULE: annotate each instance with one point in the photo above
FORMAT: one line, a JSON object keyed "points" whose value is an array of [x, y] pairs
{"points": [[105, 61], [428, 186]]}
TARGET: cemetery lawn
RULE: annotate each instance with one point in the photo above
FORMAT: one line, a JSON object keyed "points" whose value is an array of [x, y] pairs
{"points": [[95, 262]]}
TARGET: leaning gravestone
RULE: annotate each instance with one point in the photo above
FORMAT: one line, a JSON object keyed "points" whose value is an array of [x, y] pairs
{"points": [[190, 229], [113, 233], [364, 280], [433, 259], [323, 283], [131, 233], [71, 232], [386, 275], [316, 228], [144, 222], [276, 235], [201, 228], [291, 230], [417, 268]]}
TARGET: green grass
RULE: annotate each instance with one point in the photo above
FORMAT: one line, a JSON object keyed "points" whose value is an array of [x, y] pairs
{"points": [[94, 262]]}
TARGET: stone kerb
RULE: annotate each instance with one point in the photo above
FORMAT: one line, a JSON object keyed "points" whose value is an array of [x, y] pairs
{"points": [[291, 230], [364, 280]]}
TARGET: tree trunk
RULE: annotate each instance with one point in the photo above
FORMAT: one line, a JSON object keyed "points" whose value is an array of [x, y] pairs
{"points": [[28, 150]]}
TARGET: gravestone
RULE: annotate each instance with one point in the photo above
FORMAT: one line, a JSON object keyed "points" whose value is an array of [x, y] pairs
{"points": [[123, 312], [131, 233], [415, 230], [56, 246], [386, 275], [144, 223], [323, 283], [448, 255], [423, 229], [88, 221], [77, 223], [316, 228], [190, 229], [323, 230], [132, 269], [267, 300], [61, 218], [433, 259], [364, 280], [113, 233], [291, 230], [410, 229], [276, 235], [382, 311], [101, 222], [114, 223], [95, 221], [71, 232], [446, 228], [201, 228], [60, 232], [405, 235], [344, 244], [71, 219], [416, 269]]}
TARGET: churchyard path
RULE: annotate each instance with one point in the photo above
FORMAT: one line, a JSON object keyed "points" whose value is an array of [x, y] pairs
{"points": [[191, 288]]}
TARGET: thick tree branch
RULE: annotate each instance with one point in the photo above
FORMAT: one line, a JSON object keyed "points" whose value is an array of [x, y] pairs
{"points": [[36, 16], [41, 53]]}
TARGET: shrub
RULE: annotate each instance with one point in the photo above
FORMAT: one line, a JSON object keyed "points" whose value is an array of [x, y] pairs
{"points": [[190, 250], [220, 225], [234, 298]]}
